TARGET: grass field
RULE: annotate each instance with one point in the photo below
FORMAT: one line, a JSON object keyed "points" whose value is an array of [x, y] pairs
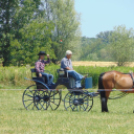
{"points": [[14, 119]]}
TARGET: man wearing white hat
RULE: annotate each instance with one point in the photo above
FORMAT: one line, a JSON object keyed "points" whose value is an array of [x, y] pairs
{"points": [[66, 64]]}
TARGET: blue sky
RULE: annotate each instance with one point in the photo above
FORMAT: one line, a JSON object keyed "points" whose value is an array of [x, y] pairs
{"points": [[103, 15]]}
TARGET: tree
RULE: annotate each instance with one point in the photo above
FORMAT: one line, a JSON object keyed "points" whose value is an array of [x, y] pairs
{"points": [[27, 26], [121, 45], [35, 37], [14, 15], [90, 48], [104, 36], [66, 22], [7, 12]]}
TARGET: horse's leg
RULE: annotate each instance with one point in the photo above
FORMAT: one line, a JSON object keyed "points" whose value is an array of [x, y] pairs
{"points": [[104, 99], [108, 86], [105, 86]]}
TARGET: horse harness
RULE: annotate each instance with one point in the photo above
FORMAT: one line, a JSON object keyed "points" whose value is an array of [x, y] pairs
{"points": [[131, 74]]}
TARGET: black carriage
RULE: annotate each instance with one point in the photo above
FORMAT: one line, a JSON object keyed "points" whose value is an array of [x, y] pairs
{"points": [[40, 96]]}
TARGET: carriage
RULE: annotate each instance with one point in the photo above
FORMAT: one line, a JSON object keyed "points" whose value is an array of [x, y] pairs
{"points": [[41, 96]]}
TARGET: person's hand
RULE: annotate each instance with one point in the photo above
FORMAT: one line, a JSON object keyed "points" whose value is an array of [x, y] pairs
{"points": [[47, 55], [40, 75]]}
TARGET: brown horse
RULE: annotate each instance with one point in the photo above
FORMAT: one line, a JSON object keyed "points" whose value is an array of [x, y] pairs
{"points": [[114, 79]]}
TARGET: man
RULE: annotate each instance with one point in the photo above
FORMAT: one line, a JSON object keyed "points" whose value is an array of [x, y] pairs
{"points": [[40, 64], [66, 64]]}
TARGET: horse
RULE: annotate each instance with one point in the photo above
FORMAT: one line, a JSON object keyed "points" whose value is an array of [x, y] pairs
{"points": [[114, 79]]}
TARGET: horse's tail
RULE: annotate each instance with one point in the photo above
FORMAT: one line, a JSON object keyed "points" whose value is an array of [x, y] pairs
{"points": [[100, 82], [102, 94]]}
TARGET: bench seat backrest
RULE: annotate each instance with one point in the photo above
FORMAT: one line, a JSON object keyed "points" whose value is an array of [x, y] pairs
{"points": [[33, 70]]}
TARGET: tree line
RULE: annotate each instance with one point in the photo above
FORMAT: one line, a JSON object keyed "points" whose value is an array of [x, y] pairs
{"points": [[116, 45], [29, 26]]}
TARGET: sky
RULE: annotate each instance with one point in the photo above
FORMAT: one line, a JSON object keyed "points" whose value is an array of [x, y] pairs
{"points": [[103, 15]]}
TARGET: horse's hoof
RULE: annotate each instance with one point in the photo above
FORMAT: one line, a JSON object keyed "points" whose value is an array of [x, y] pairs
{"points": [[105, 111]]}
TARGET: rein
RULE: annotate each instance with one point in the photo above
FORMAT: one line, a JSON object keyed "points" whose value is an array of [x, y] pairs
{"points": [[120, 95]]}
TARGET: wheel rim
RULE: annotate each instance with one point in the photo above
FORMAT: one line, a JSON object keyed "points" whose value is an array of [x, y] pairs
{"points": [[78, 101], [66, 101], [90, 104], [55, 99], [28, 97]]}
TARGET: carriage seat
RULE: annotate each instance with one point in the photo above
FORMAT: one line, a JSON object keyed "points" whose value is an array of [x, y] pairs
{"points": [[64, 77], [62, 73], [36, 76]]}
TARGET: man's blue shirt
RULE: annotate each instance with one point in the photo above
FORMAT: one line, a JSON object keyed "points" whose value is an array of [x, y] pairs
{"points": [[65, 62]]}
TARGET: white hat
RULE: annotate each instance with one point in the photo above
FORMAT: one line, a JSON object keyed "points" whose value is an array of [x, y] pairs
{"points": [[68, 52]]}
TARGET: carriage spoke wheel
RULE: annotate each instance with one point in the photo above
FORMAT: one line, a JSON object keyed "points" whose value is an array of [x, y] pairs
{"points": [[35, 99], [78, 101], [55, 99], [28, 98], [41, 99]]}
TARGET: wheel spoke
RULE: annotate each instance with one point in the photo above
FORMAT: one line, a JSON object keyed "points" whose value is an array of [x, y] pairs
{"points": [[53, 94], [77, 108], [28, 100], [33, 107], [42, 105], [82, 108], [68, 107], [51, 107], [29, 95], [31, 91], [54, 103], [73, 108], [29, 105]]}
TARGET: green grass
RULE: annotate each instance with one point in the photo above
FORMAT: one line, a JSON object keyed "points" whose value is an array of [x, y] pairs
{"points": [[14, 119], [14, 76]]}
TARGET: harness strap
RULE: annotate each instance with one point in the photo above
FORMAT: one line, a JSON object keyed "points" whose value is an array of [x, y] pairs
{"points": [[131, 74]]}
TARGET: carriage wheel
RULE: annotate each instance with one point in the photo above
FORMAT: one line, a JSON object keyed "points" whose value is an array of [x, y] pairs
{"points": [[33, 98], [41, 99], [28, 98], [55, 99], [78, 101]]}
